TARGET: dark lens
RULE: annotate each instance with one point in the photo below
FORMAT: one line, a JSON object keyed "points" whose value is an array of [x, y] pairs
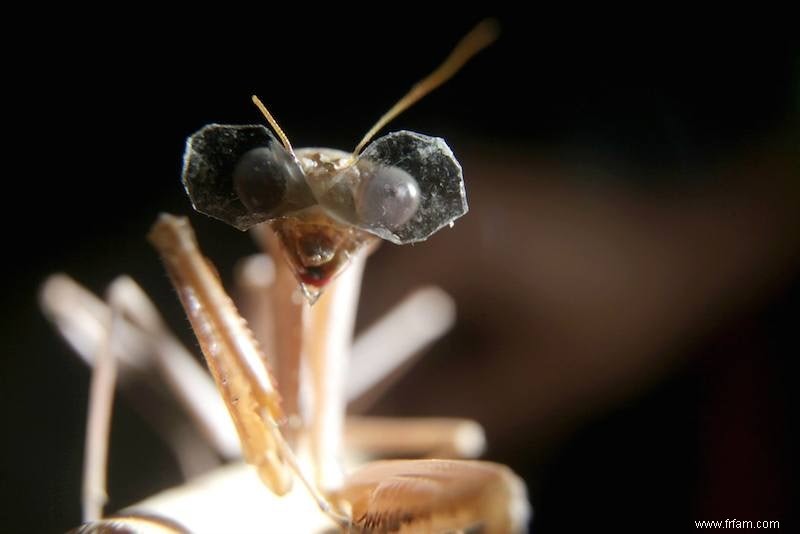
{"points": [[410, 214], [260, 181], [388, 198]]}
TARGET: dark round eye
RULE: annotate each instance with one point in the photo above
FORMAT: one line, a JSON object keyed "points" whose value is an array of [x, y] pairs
{"points": [[259, 180], [389, 198]]}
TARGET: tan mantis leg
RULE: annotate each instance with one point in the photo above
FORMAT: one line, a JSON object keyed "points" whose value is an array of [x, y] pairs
{"points": [[424, 434], [389, 343], [406, 496], [98, 421], [290, 313], [151, 360], [379, 352], [328, 341], [149, 354], [431, 494], [101, 398], [233, 357], [414, 437]]}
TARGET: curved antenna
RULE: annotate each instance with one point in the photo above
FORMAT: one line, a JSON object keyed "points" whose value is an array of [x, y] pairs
{"points": [[479, 38], [272, 122]]}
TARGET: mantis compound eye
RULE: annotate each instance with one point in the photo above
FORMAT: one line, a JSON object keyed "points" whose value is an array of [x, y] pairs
{"points": [[258, 181], [242, 175], [387, 198], [268, 181], [404, 187], [411, 186]]}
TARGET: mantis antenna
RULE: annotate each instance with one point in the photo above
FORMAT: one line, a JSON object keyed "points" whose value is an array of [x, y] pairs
{"points": [[272, 122], [476, 40]]}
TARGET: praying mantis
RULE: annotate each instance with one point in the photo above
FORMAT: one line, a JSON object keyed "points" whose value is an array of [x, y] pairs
{"points": [[318, 213]]}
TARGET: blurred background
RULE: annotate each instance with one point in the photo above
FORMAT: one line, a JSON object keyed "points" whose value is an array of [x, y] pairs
{"points": [[627, 280]]}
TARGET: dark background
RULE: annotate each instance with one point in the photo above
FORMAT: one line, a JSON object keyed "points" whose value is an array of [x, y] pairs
{"points": [[565, 125]]}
